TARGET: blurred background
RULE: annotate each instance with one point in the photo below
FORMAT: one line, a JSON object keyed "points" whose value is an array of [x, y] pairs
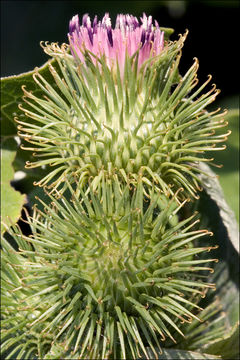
{"points": [[213, 39]]}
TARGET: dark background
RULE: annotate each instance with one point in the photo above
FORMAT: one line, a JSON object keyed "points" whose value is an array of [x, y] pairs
{"points": [[213, 32]]}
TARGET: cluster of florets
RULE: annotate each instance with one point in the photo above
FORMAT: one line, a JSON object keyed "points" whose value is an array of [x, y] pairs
{"points": [[128, 36]]}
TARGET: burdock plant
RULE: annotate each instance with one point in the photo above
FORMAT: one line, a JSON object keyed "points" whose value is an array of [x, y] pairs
{"points": [[115, 264]]}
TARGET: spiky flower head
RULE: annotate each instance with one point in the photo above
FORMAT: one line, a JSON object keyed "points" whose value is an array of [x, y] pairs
{"points": [[143, 122], [110, 268], [105, 275], [128, 36]]}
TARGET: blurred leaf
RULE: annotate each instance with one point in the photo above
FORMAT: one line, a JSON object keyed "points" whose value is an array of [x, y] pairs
{"points": [[219, 218], [11, 88], [180, 354], [227, 346], [167, 32], [229, 158], [11, 92], [213, 188], [227, 296], [12, 201]]}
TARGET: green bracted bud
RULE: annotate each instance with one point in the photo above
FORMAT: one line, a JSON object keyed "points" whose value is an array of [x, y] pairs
{"points": [[104, 275], [149, 122]]}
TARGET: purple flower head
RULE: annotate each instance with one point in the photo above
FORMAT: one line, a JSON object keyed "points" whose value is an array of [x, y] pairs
{"points": [[128, 36]]}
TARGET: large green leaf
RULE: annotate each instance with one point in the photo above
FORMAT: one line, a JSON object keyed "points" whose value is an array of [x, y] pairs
{"points": [[12, 201], [11, 92], [227, 346], [214, 190], [220, 219], [11, 89]]}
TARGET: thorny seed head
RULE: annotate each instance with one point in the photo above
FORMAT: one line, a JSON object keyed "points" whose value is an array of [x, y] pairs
{"points": [[104, 275]]}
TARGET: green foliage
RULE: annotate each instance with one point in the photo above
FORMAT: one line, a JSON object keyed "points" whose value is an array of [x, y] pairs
{"points": [[229, 173], [227, 346], [13, 157], [11, 200], [221, 221], [182, 354], [11, 97]]}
